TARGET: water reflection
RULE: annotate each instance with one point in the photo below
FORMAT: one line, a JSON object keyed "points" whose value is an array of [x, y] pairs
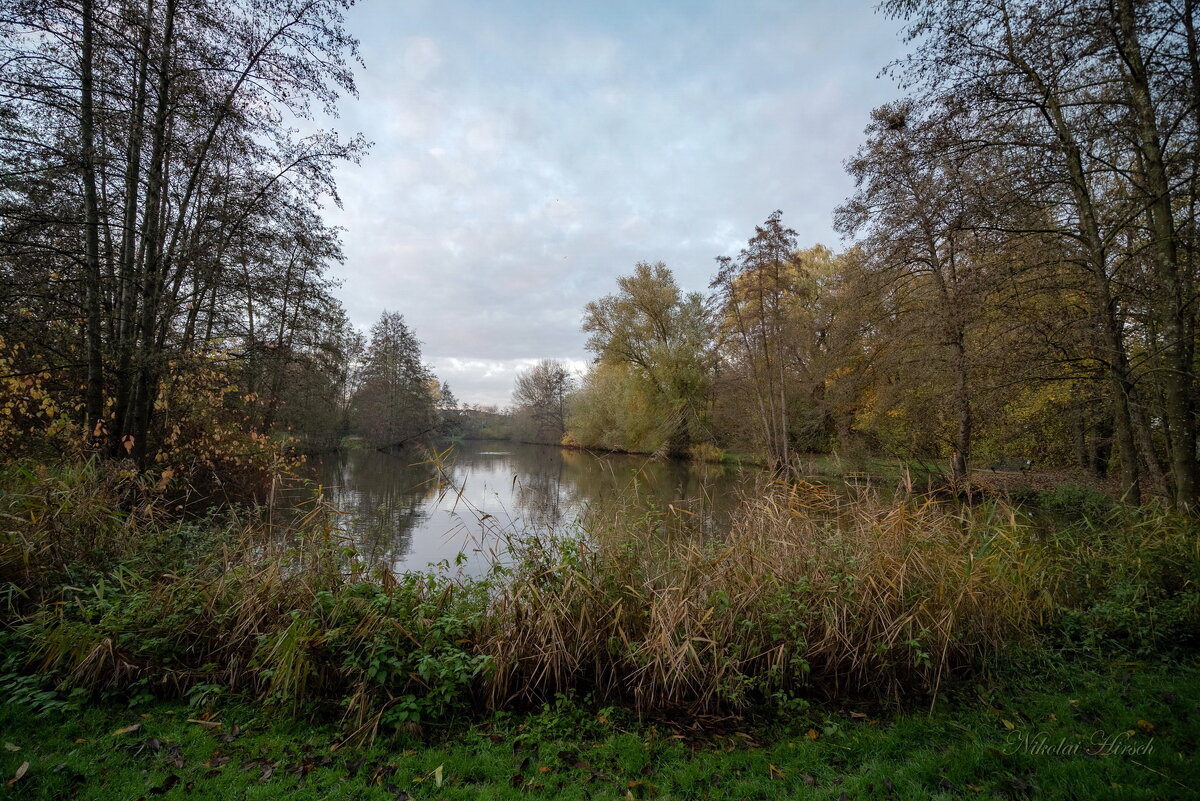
{"points": [[402, 510]]}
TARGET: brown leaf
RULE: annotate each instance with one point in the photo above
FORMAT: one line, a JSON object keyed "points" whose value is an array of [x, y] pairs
{"points": [[812, 734], [21, 771], [127, 729], [809, 780]]}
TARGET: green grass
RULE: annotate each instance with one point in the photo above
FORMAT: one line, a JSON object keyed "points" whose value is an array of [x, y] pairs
{"points": [[979, 744]]}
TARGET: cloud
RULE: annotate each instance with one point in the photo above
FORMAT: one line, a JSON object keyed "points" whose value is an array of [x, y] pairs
{"points": [[528, 153], [480, 380]]}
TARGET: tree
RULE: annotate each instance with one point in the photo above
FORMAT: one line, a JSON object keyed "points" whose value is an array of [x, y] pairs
{"points": [[155, 198], [921, 202], [395, 403], [755, 294], [661, 336], [1093, 107], [540, 400]]}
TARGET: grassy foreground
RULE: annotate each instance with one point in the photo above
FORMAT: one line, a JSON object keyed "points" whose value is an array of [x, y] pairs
{"points": [[1119, 731]]}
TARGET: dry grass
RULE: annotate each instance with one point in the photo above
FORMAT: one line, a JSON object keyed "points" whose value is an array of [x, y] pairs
{"points": [[857, 597], [807, 592]]}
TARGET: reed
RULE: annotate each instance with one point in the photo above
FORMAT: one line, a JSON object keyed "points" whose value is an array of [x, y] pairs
{"points": [[806, 593]]}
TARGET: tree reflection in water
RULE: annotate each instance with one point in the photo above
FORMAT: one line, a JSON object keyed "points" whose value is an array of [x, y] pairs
{"points": [[400, 509]]}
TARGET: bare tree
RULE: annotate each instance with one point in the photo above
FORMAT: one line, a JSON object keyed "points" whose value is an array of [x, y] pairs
{"points": [[540, 395]]}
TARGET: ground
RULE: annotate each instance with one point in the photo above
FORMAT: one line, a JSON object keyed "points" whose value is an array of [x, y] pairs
{"points": [[1120, 730]]}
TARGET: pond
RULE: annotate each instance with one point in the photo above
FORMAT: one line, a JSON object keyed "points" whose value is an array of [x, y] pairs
{"points": [[406, 510]]}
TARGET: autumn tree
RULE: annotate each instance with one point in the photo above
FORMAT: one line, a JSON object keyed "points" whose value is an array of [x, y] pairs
{"points": [[757, 296], [920, 207], [158, 206], [539, 397], [658, 336], [1093, 106]]}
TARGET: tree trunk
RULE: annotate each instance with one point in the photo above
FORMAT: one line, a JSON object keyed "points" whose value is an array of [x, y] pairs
{"points": [[92, 284], [126, 301], [147, 362], [1172, 303]]}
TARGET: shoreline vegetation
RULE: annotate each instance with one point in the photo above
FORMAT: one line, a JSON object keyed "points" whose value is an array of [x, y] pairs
{"points": [[811, 602]]}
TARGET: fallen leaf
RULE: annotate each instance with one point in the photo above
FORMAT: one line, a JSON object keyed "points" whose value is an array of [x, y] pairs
{"points": [[812, 734], [21, 771], [11, 747], [858, 716], [809, 780], [437, 775], [776, 773], [166, 786], [1146, 726], [1008, 724], [127, 729]]}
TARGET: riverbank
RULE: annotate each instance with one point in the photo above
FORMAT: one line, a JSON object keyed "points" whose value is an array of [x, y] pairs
{"points": [[810, 604], [1121, 730]]}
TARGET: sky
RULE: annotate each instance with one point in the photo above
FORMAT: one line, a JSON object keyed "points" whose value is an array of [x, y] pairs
{"points": [[527, 153]]}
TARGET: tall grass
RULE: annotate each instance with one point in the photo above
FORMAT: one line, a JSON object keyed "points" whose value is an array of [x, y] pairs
{"points": [[805, 590], [806, 593]]}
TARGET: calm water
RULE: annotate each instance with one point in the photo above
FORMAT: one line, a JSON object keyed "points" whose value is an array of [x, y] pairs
{"points": [[402, 510]]}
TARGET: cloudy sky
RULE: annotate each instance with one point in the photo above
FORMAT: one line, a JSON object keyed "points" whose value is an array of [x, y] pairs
{"points": [[529, 152]]}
